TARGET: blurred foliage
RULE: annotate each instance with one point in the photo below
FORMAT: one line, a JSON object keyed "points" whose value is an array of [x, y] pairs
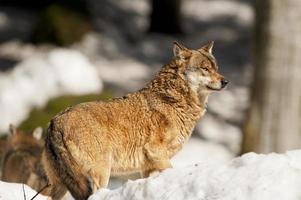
{"points": [[61, 25], [41, 117]]}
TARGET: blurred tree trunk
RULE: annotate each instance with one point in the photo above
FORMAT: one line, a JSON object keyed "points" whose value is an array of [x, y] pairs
{"points": [[274, 119], [165, 16]]}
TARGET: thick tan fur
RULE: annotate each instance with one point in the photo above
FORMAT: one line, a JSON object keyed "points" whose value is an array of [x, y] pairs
{"points": [[21, 162], [140, 132]]}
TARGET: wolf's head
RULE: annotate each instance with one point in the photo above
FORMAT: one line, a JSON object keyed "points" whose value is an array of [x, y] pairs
{"points": [[200, 68], [18, 138]]}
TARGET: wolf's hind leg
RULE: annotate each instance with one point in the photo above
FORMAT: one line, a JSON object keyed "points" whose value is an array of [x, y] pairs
{"points": [[58, 191], [56, 188]]}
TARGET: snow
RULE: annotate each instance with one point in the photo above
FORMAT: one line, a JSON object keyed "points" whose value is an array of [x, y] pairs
{"points": [[250, 177], [37, 79]]}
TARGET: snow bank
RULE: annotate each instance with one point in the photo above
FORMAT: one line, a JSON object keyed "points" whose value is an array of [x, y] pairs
{"points": [[252, 176], [37, 79]]}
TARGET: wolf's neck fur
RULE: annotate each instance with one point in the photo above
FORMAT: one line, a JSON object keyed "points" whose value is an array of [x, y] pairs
{"points": [[172, 88]]}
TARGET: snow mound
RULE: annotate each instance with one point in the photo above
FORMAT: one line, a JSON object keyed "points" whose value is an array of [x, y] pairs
{"points": [[37, 79], [252, 177]]}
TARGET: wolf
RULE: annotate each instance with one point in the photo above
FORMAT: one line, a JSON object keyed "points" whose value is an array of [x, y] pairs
{"points": [[21, 160], [139, 132]]}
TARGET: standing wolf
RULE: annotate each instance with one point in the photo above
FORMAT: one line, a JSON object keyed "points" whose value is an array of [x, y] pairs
{"points": [[140, 132]]}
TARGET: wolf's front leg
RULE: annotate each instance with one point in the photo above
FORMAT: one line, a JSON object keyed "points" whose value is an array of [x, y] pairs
{"points": [[153, 168], [156, 161]]}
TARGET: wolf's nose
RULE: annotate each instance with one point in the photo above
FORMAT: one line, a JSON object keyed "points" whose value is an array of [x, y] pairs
{"points": [[224, 82]]}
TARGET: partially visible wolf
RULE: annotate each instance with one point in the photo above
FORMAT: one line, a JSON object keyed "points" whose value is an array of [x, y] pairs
{"points": [[140, 132], [21, 161]]}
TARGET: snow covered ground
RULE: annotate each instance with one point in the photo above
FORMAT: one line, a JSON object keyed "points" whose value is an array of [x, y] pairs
{"points": [[250, 177]]}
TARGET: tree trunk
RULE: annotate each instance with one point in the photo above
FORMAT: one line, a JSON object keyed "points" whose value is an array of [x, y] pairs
{"points": [[165, 16], [274, 119]]}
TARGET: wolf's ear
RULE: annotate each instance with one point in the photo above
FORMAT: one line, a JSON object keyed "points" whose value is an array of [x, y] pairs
{"points": [[37, 133], [179, 50], [208, 47], [12, 129]]}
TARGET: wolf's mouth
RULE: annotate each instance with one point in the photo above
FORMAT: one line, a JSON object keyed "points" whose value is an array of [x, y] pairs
{"points": [[211, 88]]}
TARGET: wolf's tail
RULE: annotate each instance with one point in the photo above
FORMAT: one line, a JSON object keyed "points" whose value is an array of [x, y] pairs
{"points": [[62, 164]]}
